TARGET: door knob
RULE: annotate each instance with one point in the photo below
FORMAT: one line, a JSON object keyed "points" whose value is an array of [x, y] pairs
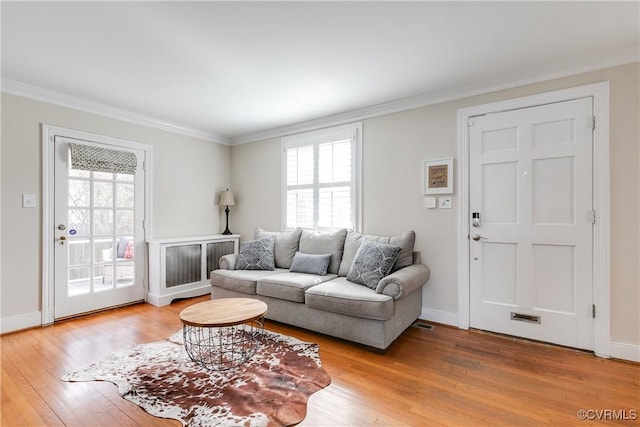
{"points": [[477, 237]]}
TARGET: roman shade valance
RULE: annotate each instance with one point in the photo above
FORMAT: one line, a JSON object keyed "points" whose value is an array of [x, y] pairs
{"points": [[98, 159]]}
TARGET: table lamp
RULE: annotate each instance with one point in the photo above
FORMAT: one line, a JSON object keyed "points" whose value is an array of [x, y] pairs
{"points": [[226, 199]]}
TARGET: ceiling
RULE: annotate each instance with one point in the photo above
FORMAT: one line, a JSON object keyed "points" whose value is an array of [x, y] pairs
{"points": [[236, 71]]}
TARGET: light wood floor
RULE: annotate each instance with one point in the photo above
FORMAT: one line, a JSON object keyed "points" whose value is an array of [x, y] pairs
{"points": [[441, 377]]}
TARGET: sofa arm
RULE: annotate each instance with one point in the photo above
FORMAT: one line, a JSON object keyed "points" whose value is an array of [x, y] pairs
{"points": [[228, 262], [404, 281]]}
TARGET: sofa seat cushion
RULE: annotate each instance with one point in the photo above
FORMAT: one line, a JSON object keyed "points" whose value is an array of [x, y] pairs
{"points": [[351, 299], [289, 286], [241, 280]]}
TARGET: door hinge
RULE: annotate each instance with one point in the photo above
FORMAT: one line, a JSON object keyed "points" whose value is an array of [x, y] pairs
{"points": [[593, 311], [593, 217], [593, 122], [469, 122], [143, 224]]}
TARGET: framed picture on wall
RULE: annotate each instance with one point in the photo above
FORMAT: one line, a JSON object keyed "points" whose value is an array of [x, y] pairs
{"points": [[438, 176]]}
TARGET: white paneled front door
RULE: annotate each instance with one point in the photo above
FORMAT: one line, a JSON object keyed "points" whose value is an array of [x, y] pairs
{"points": [[531, 259]]}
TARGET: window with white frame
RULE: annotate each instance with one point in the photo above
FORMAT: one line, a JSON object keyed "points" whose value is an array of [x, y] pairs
{"points": [[321, 179]]}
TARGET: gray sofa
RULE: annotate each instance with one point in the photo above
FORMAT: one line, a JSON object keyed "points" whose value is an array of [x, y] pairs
{"points": [[330, 304]]}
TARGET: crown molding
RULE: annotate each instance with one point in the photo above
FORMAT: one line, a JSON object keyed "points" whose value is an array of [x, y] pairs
{"points": [[418, 101], [17, 88], [436, 97]]}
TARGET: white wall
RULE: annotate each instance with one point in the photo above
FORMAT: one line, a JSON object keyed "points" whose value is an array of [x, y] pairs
{"points": [[187, 175], [394, 148]]}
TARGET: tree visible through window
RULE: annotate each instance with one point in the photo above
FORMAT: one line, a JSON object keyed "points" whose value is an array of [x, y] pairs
{"points": [[321, 179]]}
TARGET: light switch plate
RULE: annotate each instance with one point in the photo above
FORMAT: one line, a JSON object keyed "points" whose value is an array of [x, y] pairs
{"points": [[445, 202], [28, 200], [430, 202]]}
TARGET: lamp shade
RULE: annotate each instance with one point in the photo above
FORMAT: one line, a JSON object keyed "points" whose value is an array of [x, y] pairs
{"points": [[226, 198]]}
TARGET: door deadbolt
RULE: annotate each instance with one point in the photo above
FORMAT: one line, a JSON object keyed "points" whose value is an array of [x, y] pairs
{"points": [[62, 227], [475, 219]]}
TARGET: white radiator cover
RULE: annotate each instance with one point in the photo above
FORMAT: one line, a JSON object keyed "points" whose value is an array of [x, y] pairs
{"points": [[180, 267]]}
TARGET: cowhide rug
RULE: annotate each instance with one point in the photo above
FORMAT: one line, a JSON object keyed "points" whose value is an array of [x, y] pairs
{"points": [[271, 389]]}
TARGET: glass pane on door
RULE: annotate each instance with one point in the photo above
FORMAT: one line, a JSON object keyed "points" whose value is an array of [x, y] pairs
{"points": [[101, 234]]}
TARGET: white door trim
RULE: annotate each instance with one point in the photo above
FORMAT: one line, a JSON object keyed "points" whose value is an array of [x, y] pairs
{"points": [[48, 180], [601, 200]]}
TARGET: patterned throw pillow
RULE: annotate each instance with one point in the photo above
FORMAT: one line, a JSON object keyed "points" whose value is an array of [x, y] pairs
{"points": [[310, 263], [256, 255], [372, 262]]}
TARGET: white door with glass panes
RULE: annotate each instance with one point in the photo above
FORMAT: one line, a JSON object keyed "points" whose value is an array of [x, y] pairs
{"points": [[531, 241], [99, 212]]}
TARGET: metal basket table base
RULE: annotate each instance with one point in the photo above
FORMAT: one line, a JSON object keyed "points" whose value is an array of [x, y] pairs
{"points": [[225, 347]]}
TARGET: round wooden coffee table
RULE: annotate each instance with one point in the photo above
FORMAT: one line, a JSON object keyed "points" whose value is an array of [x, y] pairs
{"points": [[223, 333]]}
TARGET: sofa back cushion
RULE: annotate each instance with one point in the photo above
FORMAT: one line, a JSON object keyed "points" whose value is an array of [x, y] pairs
{"points": [[285, 246], [405, 241], [324, 242]]}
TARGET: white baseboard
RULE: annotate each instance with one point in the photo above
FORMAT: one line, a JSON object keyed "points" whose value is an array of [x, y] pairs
{"points": [[21, 321], [439, 316], [625, 351], [162, 300]]}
